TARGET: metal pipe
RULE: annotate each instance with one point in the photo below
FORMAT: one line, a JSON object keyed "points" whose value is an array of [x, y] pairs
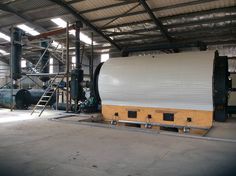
{"points": [[77, 75], [11, 70], [45, 74], [16, 52], [15, 61], [77, 43], [44, 66], [67, 67], [91, 67]]}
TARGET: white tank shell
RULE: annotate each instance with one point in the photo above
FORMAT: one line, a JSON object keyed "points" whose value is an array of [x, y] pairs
{"points": [[179, 81]]}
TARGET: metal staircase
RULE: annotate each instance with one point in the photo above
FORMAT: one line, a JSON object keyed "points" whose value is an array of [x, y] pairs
{"points": [[47, 95]]}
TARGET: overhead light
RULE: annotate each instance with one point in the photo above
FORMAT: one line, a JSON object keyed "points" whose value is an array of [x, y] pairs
{"points": [[5, 37], [62, 23], [28, 29], [3, 52]]}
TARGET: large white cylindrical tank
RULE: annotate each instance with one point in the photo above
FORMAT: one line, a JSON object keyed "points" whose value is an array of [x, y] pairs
{"points": [[178, 81]]}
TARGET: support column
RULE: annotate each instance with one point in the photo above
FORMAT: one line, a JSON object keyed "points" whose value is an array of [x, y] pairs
{"points": [[91, 68], [77, 75], [16, 54]]}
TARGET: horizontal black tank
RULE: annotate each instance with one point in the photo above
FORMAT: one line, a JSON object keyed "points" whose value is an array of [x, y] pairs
{"points": [[22, 98]]}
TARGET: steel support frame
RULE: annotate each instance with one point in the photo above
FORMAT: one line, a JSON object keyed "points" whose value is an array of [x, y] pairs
{"points": [[186, 15], [156, 20], [20, 15], [172, 26], [85, 21], [155, 9]]}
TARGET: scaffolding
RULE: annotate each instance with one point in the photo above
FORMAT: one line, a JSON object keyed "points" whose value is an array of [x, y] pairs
{"points": [[61, 53]]}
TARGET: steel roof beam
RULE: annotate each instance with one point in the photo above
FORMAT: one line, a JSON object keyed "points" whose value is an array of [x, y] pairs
{"points": [[187, 24], [200, 45], [205, 38], [109, 6], [156, 20], [81, 12], [192, 14], [25, 18], [85, 21], [205, 31], [155, 9], [74, 1], [186, 15]]}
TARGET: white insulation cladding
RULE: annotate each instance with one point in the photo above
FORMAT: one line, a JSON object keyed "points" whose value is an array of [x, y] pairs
{"points": [[179, 81]]}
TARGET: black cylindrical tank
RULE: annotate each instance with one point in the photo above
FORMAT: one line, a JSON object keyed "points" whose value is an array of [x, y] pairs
{"points": [[221, 85], [21, 98], [36, 94], [77, 76], [16, 51]]}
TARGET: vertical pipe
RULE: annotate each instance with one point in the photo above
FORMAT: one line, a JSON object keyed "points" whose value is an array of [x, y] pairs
{"points": [[77, 44], [77, 73], [16, 36], [57, 98], [15, 63], [44, 62], [91, 67], [67, 67], [11, 69], [62, 96]]}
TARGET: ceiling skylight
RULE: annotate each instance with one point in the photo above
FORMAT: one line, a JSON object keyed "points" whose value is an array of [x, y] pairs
{"points": [[5, 37], [61, 23], [28, 29]]}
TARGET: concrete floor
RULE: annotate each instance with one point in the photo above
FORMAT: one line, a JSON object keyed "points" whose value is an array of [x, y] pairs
{"points": [[39, 147]]}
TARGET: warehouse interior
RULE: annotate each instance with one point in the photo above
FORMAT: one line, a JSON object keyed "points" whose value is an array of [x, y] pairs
{"points": [[117, 87]]}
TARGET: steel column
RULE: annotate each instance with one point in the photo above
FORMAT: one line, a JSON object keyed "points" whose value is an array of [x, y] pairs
{"points": [[67, 67], [77, 43], [91, 67]]}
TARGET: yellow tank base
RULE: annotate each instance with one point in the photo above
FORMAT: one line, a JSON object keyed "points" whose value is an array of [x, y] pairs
{"points": [[161, 119]]}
